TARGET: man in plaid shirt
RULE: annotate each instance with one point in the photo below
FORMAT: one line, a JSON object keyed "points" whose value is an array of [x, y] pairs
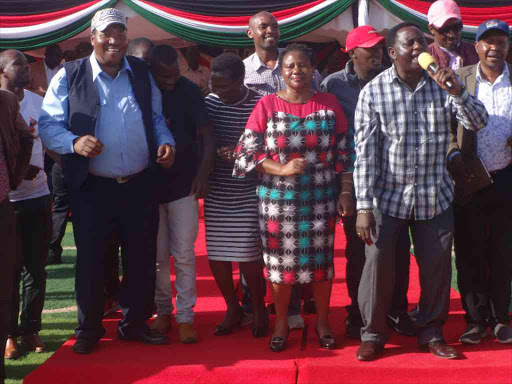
{"points": [[402, 124]]}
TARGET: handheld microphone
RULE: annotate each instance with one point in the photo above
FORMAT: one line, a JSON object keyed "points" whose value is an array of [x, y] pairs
{"points": [[428, 63]]}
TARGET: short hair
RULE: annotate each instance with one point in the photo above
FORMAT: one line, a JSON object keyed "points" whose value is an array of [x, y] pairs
{"points": [[294, 47], [164, 54], [51, 49], [391, 36], [228, 64], [135, 44]]}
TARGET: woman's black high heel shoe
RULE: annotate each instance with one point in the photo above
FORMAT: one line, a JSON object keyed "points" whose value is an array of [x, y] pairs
{"points": [[278, 343], [327, 341], [221, 330]]}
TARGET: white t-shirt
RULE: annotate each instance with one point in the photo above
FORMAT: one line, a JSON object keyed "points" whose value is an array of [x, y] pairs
{"points": [[30, 108]]}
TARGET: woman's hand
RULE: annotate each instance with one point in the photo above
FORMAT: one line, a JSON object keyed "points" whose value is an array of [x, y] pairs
{"points": [[293, 167], [227, 153], [366, 227], [346, 204]]}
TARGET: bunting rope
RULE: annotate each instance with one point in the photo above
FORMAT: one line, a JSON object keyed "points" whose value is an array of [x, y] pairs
{"points": [[50, 32], [217, 31]]}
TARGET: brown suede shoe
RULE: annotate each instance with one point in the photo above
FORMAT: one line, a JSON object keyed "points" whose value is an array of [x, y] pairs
{"points": [[33, 343], [440, 349], [188, 335], [369, 350], [12, 350], [162, 324]]}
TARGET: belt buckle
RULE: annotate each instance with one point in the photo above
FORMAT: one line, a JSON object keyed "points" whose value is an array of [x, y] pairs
{"points": [[121, 180]]}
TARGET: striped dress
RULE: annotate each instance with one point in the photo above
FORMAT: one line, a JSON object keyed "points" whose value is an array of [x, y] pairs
{"points": [[231, 207]]}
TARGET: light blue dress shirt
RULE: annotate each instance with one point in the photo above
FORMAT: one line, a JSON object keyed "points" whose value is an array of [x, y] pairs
{"points": [[119, 124]]}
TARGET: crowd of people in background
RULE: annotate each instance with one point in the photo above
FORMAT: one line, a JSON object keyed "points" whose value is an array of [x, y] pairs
{"points": [[118, 134]]}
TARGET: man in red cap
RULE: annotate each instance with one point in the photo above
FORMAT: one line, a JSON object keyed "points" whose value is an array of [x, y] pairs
{"points": [[365, 48], [445, 24]]}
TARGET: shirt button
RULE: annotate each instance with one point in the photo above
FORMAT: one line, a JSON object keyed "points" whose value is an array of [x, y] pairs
{"points": [[417, 148], [416, 167], [415, 184]]}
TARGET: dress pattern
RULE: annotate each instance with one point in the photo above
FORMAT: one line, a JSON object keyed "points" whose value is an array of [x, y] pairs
{"points": [[297, 213]]}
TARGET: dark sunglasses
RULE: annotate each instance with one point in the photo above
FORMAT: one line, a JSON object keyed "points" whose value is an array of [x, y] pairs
{"points": [[445, 30]]}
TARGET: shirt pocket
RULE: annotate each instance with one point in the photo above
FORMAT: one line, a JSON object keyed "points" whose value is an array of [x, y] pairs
{"points": [[436, 120]]}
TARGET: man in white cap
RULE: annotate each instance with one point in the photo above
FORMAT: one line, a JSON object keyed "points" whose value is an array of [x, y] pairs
{"points": [[103, 114], [445, 24]]}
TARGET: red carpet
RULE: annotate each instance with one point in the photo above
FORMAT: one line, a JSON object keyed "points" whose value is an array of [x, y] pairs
{"points": [[239, 358]]}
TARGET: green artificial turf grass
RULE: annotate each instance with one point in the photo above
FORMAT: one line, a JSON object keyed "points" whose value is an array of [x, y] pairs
{"points": [[57, 327]]}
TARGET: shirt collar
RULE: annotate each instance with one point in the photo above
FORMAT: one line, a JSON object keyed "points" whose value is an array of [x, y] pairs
{"points": [[504, 74], [393, 77], [256, 63], [450, 53], [96, 69]]}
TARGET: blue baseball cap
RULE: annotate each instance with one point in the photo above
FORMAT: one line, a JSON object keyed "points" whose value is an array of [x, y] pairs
{"points": [[491, 25]]}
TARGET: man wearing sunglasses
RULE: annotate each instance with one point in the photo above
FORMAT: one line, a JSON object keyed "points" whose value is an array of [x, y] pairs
{"points": [[445, 24]]}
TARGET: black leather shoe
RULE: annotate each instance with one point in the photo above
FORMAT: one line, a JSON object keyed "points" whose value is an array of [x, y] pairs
{"points": [[278, 343], [369, 350], [144, 335], [84, 346], [402, 324], [440, 349], [326, 341]]}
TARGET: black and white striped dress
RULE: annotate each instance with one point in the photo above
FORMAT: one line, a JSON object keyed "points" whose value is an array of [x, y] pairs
{"points": [[231, 207]]}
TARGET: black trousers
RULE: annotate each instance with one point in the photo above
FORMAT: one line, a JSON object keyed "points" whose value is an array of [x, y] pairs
{"points": [[61, 209], [7, 272], [483, 250], [100, 207], [355, 253], [33, 233]]}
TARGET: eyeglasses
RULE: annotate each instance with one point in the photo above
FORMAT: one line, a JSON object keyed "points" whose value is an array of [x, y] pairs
{"points": [[456, 28]]}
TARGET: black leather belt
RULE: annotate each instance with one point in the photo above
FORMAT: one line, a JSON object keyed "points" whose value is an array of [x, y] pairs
{"points": [[122, 179]]}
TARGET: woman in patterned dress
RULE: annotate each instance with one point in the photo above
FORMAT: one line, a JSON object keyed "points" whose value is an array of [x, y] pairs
{"points": [[296, 139], [231, 207]]}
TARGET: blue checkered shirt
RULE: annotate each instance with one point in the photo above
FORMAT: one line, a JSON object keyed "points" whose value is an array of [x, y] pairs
{"points": [[402, 138]]}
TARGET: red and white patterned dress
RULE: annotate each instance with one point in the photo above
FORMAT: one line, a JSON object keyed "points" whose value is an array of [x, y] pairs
{"points": [[297, 213]]}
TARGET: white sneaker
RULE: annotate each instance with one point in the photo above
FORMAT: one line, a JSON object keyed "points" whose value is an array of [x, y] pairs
{"points": [[295, 322]]}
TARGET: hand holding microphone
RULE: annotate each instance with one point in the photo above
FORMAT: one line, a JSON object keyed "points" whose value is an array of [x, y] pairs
{"points": [[445, 77]]}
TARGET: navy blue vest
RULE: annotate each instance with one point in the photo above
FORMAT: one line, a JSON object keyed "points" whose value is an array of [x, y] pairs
{"points": [[84, 104]]}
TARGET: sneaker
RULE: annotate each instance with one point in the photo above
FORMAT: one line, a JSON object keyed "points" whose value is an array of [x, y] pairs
{"points": [[473, 334], [402, 323], [353, 325], [295, 322], [503, 333]]}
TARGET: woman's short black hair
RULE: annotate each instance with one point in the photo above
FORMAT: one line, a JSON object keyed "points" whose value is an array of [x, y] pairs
{"points": [[391, 35], [294, 47], [228, 64]]}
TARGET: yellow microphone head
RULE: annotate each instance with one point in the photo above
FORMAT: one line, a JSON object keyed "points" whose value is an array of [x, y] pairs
{"points": [[425, 59]]}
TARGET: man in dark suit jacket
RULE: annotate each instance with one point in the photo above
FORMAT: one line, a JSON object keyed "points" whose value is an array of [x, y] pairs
{"points": [[483, 219], [103, 115]]}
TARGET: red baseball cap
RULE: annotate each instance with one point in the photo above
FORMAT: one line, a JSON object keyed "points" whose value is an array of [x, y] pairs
{"points": [[364, 36]]}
